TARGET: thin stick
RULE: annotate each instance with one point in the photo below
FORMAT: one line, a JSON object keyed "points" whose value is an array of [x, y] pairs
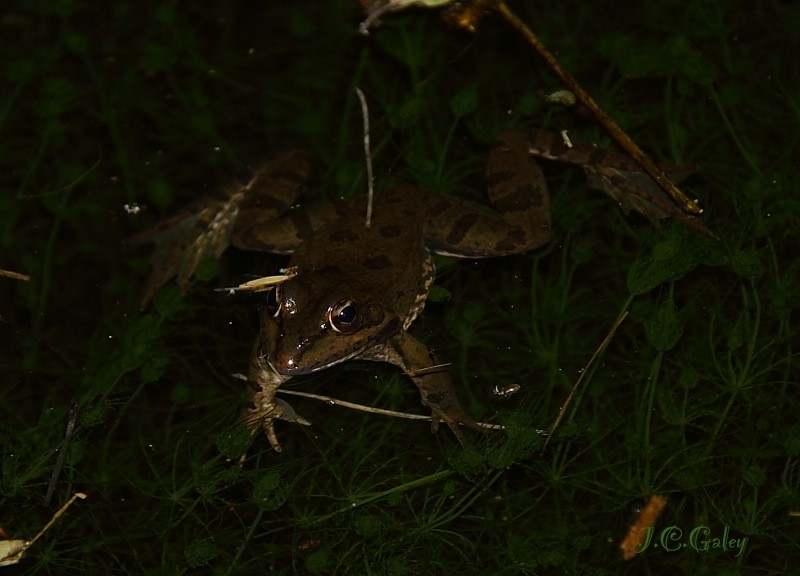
{"points": [[262, 284], [15, 275], [55, 517], [345, 404], [430, 370], [72, 184], [619, 136], [367, 154], [599, 349], [73, 416]]}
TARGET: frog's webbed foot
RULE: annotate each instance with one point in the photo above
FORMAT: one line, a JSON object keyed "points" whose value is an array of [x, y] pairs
{"points": [[197, 232], [619, 176], [262, 407], [207, 227], [262, 416], [440, 397]]}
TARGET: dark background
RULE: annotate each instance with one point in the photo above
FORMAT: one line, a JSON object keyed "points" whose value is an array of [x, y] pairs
{"points": [[150, 104]]}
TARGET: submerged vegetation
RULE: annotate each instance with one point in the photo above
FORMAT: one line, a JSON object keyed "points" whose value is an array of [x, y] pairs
{"points": [[113, 117]]}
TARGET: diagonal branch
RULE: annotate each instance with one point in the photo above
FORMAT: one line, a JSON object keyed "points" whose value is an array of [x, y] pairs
{"points": [[602, 117]]}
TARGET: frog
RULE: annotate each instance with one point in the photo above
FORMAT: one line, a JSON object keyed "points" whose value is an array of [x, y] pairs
{"points": [[354, 287]]}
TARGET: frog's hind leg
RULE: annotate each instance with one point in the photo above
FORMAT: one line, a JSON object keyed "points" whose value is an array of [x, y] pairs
{"points": [[206, 227], [518, 191], [268, 195], [518, 219], [272, 194]]}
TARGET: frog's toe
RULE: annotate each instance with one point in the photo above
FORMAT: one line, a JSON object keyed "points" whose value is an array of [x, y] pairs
{"points": [[263, 416], [269, 430], [287, 413], [455, 426]]}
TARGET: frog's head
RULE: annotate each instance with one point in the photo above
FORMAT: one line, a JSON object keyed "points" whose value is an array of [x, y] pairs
{"points": [[303, 330]]}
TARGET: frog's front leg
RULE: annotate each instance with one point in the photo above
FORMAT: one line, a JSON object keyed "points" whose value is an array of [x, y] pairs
{"points": [[262, 407], [435, 387]]}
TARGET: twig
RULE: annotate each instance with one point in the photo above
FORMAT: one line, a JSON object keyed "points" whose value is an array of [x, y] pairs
{"points": [[430, 370], [262, 284], [14, 275], [68, 187], [466, 15], [57, 515], [367, 154], [597, 352], [73, 416], [608, 123], [345, 404], [14, 550]]}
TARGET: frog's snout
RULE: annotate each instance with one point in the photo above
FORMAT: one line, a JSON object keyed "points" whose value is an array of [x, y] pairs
{"points": [[287, 358]]}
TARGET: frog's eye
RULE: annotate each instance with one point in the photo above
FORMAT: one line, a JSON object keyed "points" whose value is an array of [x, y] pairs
{"points": [[344, 316], [274, 301]]}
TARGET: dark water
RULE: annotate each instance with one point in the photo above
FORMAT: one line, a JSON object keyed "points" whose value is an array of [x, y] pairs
{"points": [[115, 116]]}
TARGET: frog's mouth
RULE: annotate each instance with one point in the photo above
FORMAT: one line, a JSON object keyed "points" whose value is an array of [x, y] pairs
{"points": [[294, 366], [306, 356]]}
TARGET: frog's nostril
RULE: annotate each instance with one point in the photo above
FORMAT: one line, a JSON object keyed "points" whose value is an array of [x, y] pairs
{"points": [[285, 364]]}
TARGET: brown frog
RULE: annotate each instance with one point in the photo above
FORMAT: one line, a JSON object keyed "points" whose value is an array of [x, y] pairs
{"points": [[355, 290]]}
